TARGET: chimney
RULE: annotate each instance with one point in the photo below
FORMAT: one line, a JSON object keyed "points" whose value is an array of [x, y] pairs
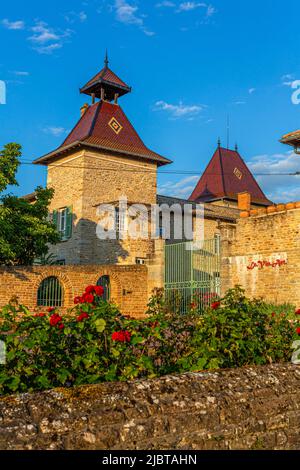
{"points": [[244, 201], [84, 109]]}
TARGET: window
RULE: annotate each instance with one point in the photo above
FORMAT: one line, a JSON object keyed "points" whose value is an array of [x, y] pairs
{"points": [[119, 222], [50, 293], [63, 219], [104, 281], [140, 260]]}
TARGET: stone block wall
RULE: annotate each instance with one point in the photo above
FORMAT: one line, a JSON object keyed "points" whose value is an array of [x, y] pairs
{"points": [[128, 284], [262, 254], [249, 408]]}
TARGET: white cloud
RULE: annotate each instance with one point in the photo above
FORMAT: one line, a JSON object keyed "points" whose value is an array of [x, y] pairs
{"points": [[20, 73], [179, 110], [182, 188], [166, 4], [128, 13], [42, 33], [45, 39], [280, 187], [251, 91], [73, 16], [55, 131], [239, 103], [15, 25], [188, 6]]}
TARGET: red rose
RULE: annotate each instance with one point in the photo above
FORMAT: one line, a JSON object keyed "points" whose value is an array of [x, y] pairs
{"points": [[298, 331], [90, 289], [193, 305], [297, 312], [99, 290], [42, 314], [82, 317], [273, 314], [121, 336], [77, 300], [61, 326], [55, 319], [50, 309], [88, 298], [215, 305]]}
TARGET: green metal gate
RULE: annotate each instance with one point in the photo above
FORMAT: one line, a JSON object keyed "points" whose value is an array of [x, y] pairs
{"points": [[192, 275]]}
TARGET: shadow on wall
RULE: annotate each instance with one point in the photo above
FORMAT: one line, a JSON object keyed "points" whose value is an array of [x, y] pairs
{"points": [[84, 247]]}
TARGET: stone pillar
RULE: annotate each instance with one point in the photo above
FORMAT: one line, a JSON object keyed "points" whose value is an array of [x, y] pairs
{"points": [[156, 267], [228, 233]]}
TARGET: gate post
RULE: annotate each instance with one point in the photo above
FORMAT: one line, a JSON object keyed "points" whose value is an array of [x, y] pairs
{"points": [[228, 233], [156, 267]]}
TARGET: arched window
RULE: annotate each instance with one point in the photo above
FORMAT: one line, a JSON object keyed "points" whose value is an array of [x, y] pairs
{"points": [[104, 281], [50, 293]]}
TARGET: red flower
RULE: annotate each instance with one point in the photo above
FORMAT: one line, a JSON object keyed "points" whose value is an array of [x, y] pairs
{"points": [[82, 316], [215, 305], [298, 331], [55, 319], [61, 326], [121, 336], [297, 312], [90, 289], [77, 300], [273, 314], [42, 314], [193, 305], [50, 309], [88, 298], [99, 290]]}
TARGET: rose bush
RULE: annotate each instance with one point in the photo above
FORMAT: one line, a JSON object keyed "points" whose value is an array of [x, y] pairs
{"points": [[237, 331], [94, 342]]}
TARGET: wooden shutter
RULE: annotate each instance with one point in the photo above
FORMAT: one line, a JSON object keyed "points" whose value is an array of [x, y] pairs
{"points": [[55, 218], [69, 222]]}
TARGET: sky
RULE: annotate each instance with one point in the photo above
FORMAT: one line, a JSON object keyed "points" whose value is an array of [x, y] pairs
{"points": [[190, 64]]}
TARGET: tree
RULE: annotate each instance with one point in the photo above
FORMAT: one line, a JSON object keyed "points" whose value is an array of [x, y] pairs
{"points": [[25, 228]]}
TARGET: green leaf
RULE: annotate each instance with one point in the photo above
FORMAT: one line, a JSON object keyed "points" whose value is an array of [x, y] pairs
{"points": [[100, 325]]}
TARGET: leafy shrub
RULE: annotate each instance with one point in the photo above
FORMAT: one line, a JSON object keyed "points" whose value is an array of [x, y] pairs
{"points": [[238, 331], [95, 343]]}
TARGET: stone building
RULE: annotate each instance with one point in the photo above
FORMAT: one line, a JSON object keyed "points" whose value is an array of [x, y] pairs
{"points": [[103, 165]]}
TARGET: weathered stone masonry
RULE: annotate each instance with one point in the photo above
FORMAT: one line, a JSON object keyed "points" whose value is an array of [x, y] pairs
{"points": [[271, 237], [247, 408]]}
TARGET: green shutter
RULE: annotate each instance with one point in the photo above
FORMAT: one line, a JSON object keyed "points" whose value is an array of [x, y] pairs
{"points": [[69, 222], [55, 218]]}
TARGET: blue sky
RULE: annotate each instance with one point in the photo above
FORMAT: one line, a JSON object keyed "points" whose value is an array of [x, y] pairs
{"points": [[190, 63]]}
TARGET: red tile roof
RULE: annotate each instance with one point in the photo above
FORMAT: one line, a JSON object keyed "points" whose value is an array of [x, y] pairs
{"points": [[225, 176], [94, 130], [107, 75]]}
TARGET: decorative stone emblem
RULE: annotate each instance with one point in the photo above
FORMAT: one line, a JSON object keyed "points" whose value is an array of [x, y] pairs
{"points": [[238, 173], [115, 125]]}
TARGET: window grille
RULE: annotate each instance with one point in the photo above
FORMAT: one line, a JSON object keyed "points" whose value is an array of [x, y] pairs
{"points": [[104, 281], [50, 293]]}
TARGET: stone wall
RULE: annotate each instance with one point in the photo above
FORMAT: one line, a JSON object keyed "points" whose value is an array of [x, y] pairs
{"points": [[128, 284], [262, 253], [86, 179], [247, 408]]}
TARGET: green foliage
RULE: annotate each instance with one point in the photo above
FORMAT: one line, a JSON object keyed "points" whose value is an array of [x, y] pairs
{"points": [[9, 163], [25, 230], [240, 332], [95, 343]]}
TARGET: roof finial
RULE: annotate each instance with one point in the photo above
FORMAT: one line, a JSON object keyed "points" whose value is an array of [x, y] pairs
{"points": [[106, 61], [219, 142], [236, 147]]}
